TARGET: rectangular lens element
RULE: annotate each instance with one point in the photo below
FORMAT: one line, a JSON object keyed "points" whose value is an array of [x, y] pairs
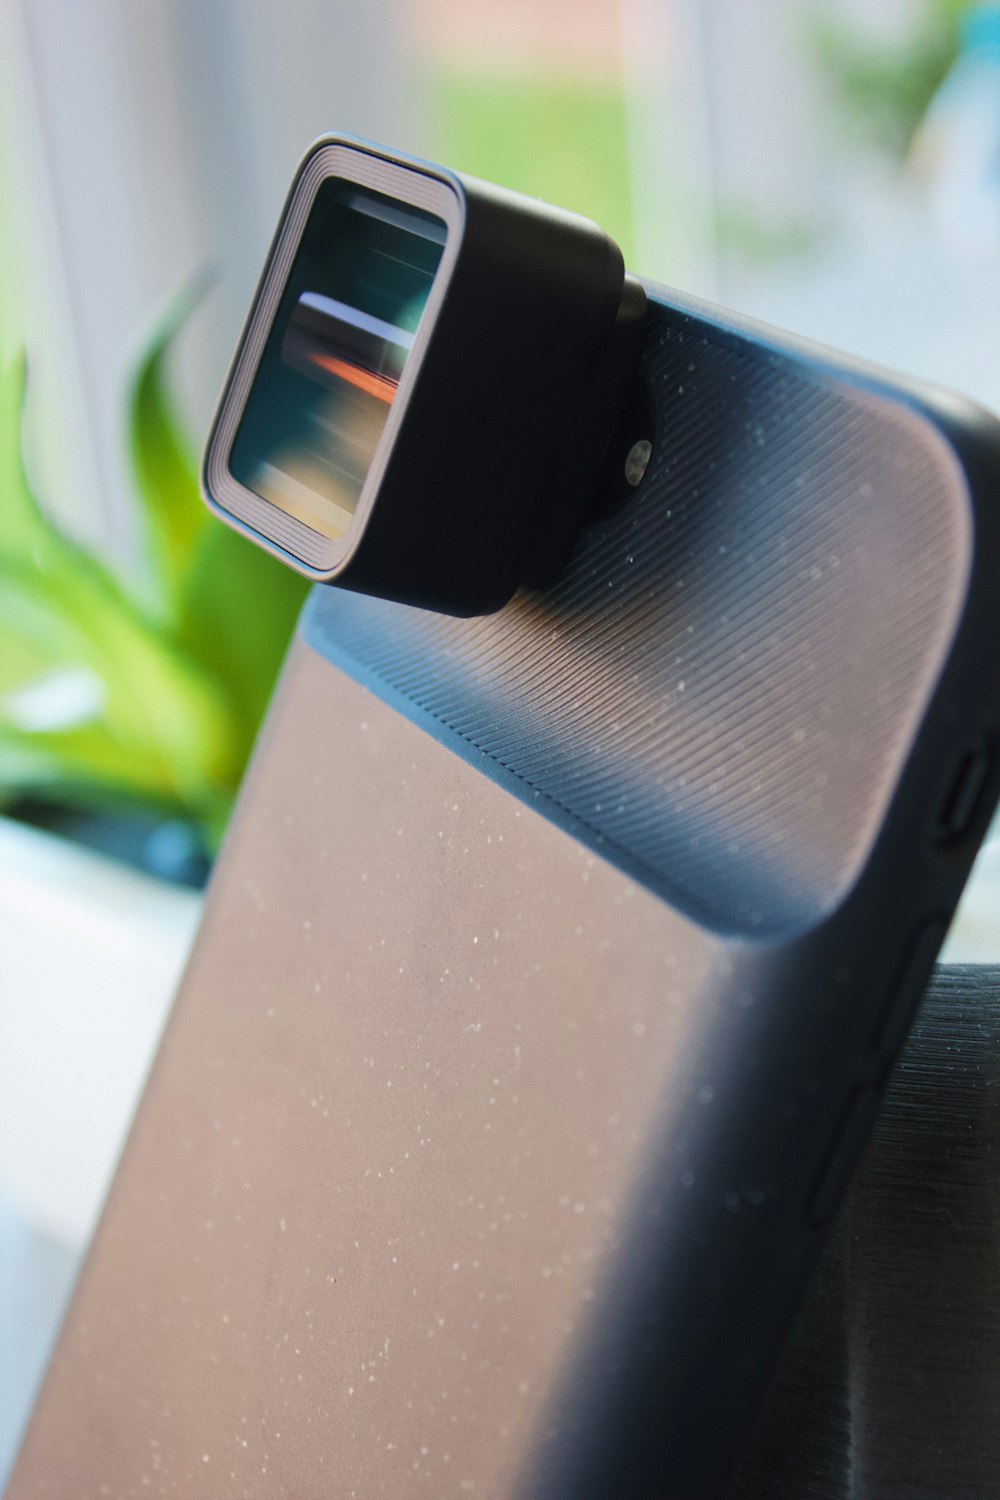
{"points": [[336, 350]]}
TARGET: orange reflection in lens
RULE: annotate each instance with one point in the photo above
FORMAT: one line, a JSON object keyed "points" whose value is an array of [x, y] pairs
{"points": [[375, 385]]}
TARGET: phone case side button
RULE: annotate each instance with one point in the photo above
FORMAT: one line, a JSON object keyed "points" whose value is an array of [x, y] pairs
{"points": [[904, 996], [964, 791], [843, 1155]]}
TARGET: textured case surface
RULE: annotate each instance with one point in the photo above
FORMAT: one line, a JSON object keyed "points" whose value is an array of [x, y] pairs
{"points": [[483, 1149], [722, 691]]}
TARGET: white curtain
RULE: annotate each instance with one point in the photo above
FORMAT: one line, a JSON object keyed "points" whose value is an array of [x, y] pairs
{"points": [[150, 140]]}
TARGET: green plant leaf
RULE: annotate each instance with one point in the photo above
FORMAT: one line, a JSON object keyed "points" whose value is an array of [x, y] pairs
{"points": [[113, 694], [163, 729], [156, 717], [24, 532], [238, 610], [232, 607], [160, 726], [28, 537], [166, 476]]}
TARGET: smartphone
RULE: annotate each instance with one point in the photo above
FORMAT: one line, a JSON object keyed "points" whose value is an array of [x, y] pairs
{"points": [[552, 971]]}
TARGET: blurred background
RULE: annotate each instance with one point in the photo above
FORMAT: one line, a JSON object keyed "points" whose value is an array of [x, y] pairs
{"points": [[831, 166]]}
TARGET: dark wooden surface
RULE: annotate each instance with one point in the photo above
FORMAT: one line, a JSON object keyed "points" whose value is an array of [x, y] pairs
{"points": [[890, 1388]]}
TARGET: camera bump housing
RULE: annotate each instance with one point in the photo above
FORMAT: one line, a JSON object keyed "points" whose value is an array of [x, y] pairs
{"points": [[426, 383]]}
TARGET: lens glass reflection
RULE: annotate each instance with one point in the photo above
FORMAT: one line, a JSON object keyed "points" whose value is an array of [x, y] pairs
{"points": [[336, 350]]}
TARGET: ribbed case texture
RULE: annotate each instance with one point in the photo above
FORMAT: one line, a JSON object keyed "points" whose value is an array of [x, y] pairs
{"points": [[720, 692]]}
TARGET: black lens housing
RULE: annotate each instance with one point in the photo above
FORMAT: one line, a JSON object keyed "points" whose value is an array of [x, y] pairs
{"points": [[492, 446]]}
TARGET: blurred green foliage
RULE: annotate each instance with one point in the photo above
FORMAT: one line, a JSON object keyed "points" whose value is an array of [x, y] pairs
{"points": [[140, 691], [882, 89], [561, 139], [760, 240]]}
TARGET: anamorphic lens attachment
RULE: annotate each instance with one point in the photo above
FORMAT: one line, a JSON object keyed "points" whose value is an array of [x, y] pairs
{"points": [[426, 384]]}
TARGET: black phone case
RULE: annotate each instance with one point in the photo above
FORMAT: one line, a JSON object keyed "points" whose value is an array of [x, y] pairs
{"points": [[767, 689], [674, 845]]}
